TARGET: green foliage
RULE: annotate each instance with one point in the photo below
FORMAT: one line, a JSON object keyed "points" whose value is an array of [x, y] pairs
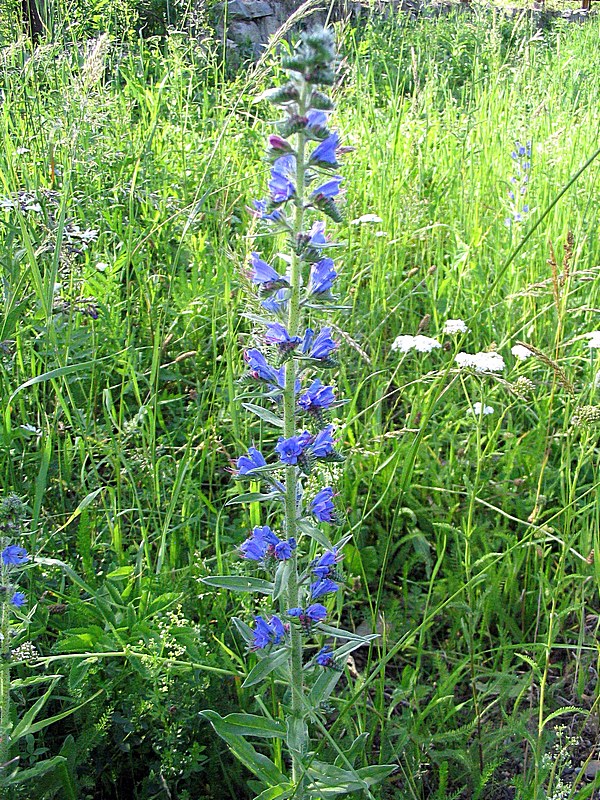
{"points": [[473, 538]]}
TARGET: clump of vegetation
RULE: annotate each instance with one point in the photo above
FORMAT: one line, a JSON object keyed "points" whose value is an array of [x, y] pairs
{"points": [[470, 368]]}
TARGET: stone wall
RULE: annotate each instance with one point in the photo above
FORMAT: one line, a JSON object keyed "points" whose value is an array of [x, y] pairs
{"points": [[250, 23]]}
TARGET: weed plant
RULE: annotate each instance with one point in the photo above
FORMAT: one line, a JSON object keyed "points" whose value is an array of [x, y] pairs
{"points": [[126, 172]]}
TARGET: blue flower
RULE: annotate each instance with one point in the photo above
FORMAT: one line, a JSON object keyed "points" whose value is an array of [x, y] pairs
{"points": [[285, 165], [278, 303], [321, 587], [14, 556], [320, 347], [316, 235], [277, 334], [317, 397], [265, 633], [324, 657], [290, 450], [316, 119], [284, 549], [325, 566], [328, 190], [246, 464], [18, 599], [323, 444], [322, 506], [258, 366], [281, 187], [264, 275], [322, 276], [263, 543], [314, 613], [324, 153], [261, 210], [255, 546]]}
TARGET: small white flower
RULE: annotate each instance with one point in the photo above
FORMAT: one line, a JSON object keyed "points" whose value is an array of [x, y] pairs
{"points": [[477, 410], [453, 326], [422, 344], [481, 362], [20, 151], [365, 219], [521, 352], [101, 266], [594, 339]]}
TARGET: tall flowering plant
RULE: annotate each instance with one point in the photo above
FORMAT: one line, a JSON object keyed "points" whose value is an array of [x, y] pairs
{"points": [[298, 564]]}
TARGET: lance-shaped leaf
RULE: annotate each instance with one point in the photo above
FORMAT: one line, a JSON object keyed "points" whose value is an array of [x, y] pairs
{"points": [[265, 666], [340, 633], [264, 414], [239, 583], [253, 497], [261, 766], [314, 533], [282, 576], [245, 725]]}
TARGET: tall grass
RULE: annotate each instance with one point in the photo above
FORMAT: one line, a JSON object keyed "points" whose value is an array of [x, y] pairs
{"points": [[473, 537]]}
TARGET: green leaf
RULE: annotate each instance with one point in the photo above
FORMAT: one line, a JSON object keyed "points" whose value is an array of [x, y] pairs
{"points": [[261, 766], [245, 725], [41, 768], [376, 773], [281, 792], [26, 723], [264, 414], [265, 666], [281, 579], [356, 749], [323, 687], [297, 734], [244, 630], [564, 710], [239, 583], [253, 497], [314, 533], [339, 633]]}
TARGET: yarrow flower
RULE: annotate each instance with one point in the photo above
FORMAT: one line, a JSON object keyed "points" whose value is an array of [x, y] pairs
{"points": [[264, 544], [594, 340], [422, 344], [322, 506], [14, 556], [481, 362], [454, 326], [478, 409], [266, 633], [521, 352], [248, 463]]}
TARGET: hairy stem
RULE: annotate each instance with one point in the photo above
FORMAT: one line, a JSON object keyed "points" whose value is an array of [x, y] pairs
{"points": [[4, 685], [291, 481]]}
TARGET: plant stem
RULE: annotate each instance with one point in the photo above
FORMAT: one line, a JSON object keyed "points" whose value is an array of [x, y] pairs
{"points": [[291, 478], [4, 686]]}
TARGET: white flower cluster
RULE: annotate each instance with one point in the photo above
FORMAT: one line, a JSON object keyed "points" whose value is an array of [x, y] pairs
{"points": [[594, 340], [478, 410], [521, 352], [481, 362], [422, 344], [454, 326]]}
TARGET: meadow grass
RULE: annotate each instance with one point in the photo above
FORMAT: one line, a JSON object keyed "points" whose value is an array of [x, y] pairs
{"points": [[474, 537]]}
